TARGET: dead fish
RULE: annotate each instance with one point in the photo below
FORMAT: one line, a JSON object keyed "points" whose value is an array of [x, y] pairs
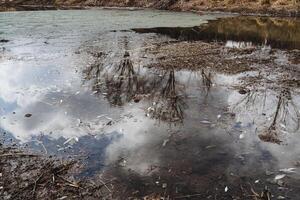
{"points": [[226, 189], [4, 41], [205, 122], [288, 170], [280, 176], [243, 91], [210, 146], [242, 136], [165, 142], [71, 141], [28, 115]]}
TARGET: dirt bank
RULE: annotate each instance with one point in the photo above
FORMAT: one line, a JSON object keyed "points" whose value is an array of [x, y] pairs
{"points": [[272, 7]]}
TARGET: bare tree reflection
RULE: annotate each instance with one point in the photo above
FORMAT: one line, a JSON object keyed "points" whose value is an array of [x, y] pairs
{"points": [[168, 104], [117, 76], [284, 118], [206, 81], [123, 84], [93, 71], [120, 81]]}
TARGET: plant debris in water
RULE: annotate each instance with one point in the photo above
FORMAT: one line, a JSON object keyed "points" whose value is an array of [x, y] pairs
{"points": [[26, 175]]}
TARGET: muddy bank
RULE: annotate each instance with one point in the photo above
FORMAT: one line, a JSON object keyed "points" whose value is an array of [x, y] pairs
{"points": [[26, 175], [30, 175], [274, 8]]}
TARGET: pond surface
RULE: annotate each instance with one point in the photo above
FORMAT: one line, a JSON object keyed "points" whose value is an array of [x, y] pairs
{"points": [[246, 31], [67, 87]]}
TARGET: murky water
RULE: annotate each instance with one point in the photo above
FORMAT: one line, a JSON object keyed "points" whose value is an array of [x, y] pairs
{"points": [[68, 88]]}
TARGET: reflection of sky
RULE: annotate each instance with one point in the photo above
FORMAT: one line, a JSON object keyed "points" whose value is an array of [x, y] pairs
{"points": [[257, 110], [38, 72], [42, 80]]}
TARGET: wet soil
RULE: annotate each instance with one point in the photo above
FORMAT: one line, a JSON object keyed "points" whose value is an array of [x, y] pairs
{"points": [[28, 175]]}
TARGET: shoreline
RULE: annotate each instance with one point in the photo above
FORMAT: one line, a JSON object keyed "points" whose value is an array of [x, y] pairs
{"points": [[233, 10]]}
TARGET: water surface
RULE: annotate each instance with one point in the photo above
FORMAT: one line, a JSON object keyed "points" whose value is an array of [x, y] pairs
{"points": [[90, 99]]}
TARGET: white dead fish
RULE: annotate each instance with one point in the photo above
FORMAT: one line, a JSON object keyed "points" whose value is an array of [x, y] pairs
{"points": [[226, 189], [280, 176], [71, 141], [210, 146], [242, 136], [288, 170], [150, 109], [111, 119], [165, 142], [205, 122], [62, 198], [282, 126], [79, 122], [280, 197], [257, 181], [219, 116], [100, 116]]}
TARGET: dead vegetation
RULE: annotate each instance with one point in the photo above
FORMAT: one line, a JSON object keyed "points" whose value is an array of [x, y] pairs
{"points": [[199, 55], [29, 176], [274, 7], [26, 175]]}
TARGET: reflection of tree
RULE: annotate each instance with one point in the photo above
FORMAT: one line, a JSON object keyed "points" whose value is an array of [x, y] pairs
{"points": [[116, 77], [168, 104], [285, 116], [124, 82], [206, 80], [93, 72]]}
